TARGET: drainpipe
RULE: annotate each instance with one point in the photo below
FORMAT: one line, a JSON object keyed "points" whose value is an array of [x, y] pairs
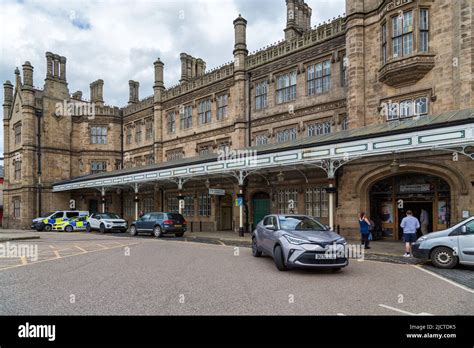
{"points": [[249, 107], [39, 114]]}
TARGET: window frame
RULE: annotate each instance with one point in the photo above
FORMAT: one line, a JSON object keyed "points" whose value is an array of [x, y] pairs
{"points": [[205, 111], [98, 170], [171, 121], [98, 135], [318, 83], [222, 101], [261, 95], [286, 92]]}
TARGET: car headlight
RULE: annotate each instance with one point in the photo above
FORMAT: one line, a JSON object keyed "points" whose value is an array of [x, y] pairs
{"points": [[421, 239], [294, 240], [341, 241], [109, 226]]}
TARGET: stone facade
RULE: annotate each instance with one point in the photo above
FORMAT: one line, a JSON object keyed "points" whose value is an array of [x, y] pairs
{"points": [[338, 75]]}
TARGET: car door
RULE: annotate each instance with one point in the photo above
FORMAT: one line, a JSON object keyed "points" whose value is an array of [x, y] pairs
{"points": [[144, 222], [466, 243], [94, 221], [268, 233]]}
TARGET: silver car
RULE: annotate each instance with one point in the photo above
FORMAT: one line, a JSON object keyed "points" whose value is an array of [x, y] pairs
{"points": [[449, 247], [298, 241]]}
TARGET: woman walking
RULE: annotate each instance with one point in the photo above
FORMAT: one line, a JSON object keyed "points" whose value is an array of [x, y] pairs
{"points": [[364, 225]]}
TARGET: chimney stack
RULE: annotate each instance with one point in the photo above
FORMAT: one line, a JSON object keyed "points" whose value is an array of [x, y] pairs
{"points": [[133, 96], [77, 95], [191, 67], [298, 18], [97, 88]]}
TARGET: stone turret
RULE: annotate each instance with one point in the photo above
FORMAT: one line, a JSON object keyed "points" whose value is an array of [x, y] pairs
{"points": [[27, 75]]}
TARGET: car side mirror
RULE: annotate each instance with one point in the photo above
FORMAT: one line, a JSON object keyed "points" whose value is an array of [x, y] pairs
{"points": [[464, 229], [98, 218], [270, 227]]}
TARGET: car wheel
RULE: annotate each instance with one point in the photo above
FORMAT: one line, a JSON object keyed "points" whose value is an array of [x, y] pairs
{"points": [[88, 228], [68, 229], [47, 228], [133, 231], [444, 258], [157, 231], [278, 258], [40, 227], [255, 251], [179, 234], [102, 228]]}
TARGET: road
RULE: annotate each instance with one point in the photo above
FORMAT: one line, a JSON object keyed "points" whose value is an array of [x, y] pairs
{"points": [[93, 274]]}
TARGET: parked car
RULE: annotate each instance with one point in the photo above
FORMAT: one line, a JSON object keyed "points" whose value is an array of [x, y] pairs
{"points": [[448, 247], [46, 223], [298, 241], [78, 223], [158, 223], [105, 222]]}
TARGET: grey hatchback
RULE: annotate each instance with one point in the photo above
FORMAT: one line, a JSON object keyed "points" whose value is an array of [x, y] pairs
{"points": [[298, 241]]}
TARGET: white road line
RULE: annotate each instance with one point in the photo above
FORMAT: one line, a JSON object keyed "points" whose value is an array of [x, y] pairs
{"points": [[57, 254], [23, 260], [81, 249], [402, 311], [221, 242], [341, 314], [445, 279]]}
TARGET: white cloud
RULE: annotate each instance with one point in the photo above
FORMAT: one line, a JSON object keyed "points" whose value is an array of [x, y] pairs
{"points": [[118, 40]]}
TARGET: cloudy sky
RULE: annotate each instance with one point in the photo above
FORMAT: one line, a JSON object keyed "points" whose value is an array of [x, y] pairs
{"points": [[118, 40]]}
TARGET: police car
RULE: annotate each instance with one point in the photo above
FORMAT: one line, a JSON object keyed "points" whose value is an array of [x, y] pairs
{"points": [[79, 223], [46, 223]]}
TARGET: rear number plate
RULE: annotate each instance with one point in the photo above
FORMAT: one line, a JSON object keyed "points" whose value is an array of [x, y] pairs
{"points": [[177, 225]]}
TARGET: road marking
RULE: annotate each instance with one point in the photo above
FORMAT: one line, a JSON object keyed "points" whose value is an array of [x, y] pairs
{"points": [[57, 254], [81, 249], [340, 314], [23, 260], [222, 243], [445, 279], [52, 247], [63, 257], [102, 246], [402, 311]]}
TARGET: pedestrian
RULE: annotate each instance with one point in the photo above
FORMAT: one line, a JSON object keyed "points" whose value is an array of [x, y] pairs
{"points": [[364, 225], [424, 221], [409, 224], [141, 213]]}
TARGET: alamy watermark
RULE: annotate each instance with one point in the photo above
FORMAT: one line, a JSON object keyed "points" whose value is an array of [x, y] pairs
{"points": [[227, 155], [75, 108], [11, 250]]}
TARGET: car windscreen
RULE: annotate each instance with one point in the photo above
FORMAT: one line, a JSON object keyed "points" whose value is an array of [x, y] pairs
{"points": [[300, 223], [110, 216]]}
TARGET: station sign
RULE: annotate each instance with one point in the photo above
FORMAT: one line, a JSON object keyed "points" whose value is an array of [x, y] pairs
{"points": [[217, 192]]}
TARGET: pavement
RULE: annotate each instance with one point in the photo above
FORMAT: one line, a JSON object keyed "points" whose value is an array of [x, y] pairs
{"points": [[8, 235], [94, 274]]}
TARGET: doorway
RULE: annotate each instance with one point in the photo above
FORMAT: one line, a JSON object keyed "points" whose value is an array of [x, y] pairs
{"points": [[392, 196], [261, 207], [226, 212], [416, 208], [93, 206]]}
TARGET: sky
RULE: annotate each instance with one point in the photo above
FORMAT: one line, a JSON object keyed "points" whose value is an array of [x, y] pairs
{"points": [[118, 40]]}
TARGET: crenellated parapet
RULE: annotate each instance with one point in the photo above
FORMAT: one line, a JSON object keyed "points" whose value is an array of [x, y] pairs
{"points": [[310, 38], [138, 106], [208, 78]]}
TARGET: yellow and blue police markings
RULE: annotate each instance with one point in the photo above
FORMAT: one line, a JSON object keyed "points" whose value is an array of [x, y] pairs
{"points": [[79, 223]]}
